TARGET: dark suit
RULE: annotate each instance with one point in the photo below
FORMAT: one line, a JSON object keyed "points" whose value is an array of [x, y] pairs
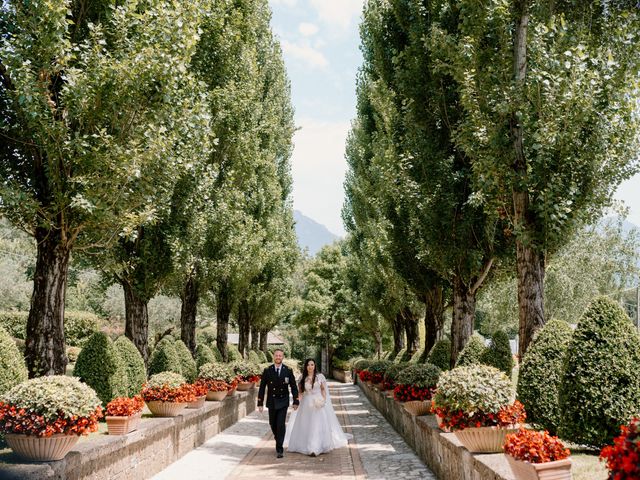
{"points": [[278, 399]]}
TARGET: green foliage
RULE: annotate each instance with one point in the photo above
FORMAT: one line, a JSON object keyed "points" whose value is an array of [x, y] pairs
{"points": [[418, 356], [53, 395], [134, 364], [166, 379], [217, 371], [14, 322], [187, 363], [78, 326], [233, 353], [164, 358], [540, 375], [362, 364], [600, 388], [262, 356], [400, 356], [245, 369], [72, 354], [394, 370], [100, 366], [216, 353], [206, 335], [253, 357], [424, 375], [379, 366], [204, 355], [12, 368], [498, 354], [472, 352], [474, 388], [339, 364], [440, 354]]}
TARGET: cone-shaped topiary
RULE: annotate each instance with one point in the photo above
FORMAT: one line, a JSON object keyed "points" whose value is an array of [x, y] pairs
{"points": [[216, 352], [600, 388], [187, 363], [253, 357], [541, 373], [203, 355], [472, 352], [134, 364], [440, 354], [99, 365], [165, 358], [12, 368], [498, 354], [263, 356], [233, 353]]}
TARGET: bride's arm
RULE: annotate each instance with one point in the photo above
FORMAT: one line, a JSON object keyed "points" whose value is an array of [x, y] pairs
{"points": [[323, 386]]}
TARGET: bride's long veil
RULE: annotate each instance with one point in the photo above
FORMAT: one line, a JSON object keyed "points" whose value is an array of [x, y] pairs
{"points": [[337, 433]]}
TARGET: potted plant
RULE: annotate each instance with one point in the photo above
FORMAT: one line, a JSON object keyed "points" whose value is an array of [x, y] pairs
{"points": [[477, 403], [377, 369], [200, 390], [360, 366], [167, 394], [246, 373], [123, 414], [623, 457], [390, 375], [414, 386], [537, 455], [42, 418], [219, 379]]}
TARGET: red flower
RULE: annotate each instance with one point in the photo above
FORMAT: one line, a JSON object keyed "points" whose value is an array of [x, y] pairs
{"points": [[535, 447], [406, 393], [214, 385], [182, 394], [459, 419], [623, 457], [124, 406], [13, 420]]}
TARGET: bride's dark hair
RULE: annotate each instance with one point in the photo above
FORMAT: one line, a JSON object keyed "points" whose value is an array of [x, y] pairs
{"points": [[305, 374]]}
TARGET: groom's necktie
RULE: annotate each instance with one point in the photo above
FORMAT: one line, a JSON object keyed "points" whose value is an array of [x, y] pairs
{"points": [[278, 372]]}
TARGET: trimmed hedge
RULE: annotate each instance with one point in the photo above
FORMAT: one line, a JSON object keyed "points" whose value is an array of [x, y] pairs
{"points": [[540, 375], [233, 353], [600, 388], [394, 370], [440, 354], [187, 363], [263, 356], [99, 365], [472, 352], [14, 322], [78, 326], [216, 352], [253, 357], [498, 354], [164, 358], [207, 335], [133, 363], [12, 368], [204, 355], [424, 375]]}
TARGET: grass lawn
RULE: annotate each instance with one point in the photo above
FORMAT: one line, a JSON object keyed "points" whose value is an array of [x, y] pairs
{"points": [[586, 466]]}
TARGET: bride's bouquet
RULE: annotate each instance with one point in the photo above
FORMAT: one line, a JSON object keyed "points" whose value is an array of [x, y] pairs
{"points": [[319, 403]]}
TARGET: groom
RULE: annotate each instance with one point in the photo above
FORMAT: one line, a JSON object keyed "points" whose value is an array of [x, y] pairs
{"points": [[279, 378]]}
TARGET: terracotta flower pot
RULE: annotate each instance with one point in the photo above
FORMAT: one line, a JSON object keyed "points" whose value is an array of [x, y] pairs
{"points": [[558, 470], [166, 409], [441, 424], [244, 386], [418, 407], [484, 439], [41, 449], [216, 396], [231, 391], [199, 403], [123, 425]]}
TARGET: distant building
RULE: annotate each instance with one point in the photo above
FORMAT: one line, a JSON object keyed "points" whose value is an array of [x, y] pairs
{"points": [[272, 339]]}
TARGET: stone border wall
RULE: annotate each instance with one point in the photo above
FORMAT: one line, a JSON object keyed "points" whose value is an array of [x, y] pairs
{"points": [[343, 376], [442, 452], [156, 444]]}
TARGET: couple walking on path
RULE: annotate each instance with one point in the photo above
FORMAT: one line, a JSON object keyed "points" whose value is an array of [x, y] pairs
{"points": [[313, 427]]}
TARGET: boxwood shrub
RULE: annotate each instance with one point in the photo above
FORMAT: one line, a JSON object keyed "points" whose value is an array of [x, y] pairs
{"points": [[12, 368], [472, 352], [540, 375], [233, 353], [423, 375], [187, 363], [498, 354], [204, 355], [133, 363], [99, 365], [164, 358], [600, 388], [440, 354], [253, 357], [392, 372], [78, 326]]}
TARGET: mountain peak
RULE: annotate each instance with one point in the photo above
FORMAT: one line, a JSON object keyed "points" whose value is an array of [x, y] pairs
{"points": [[311, 234]]}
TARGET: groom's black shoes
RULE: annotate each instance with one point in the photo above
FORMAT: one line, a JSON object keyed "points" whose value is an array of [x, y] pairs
{"points": [[280, 455]]}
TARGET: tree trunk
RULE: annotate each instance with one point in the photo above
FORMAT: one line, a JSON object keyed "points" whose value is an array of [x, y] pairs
{"points": [[255, 338], [136, 326], [378, 340], [433, 317], [530, 260], [464, 311], [411, 329], [264, 336], [223, 311], [397, 326], [188, 311], [244, 325], [45, 351]]}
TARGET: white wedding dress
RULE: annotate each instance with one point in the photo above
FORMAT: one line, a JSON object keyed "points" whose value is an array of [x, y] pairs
{"points": [[314, 428]]}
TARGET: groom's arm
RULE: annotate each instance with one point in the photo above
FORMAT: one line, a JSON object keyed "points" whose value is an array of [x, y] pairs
{"points": [[263, 385], [294, 388]]}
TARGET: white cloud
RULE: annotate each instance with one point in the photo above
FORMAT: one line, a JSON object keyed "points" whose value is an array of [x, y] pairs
{"points": [[338, 12], [318, 168], [308, 29], [305, 52], [286, 3]]}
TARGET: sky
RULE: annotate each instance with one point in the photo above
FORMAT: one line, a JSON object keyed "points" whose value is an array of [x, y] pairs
{"points": [[320, 41]]}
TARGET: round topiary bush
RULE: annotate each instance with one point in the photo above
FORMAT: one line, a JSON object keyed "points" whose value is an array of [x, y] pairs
{"points": [[253, 357], [498, 354], [263, 356], [166, 379], [600, 388], [472, 352], [207, 336], [392, 372], [424, 375], [204, 355], [12, 368], [99, 365], [377, 369], [361, 364], [440, 354], [233, 354], [187, 363], [164, 358], [541, 373], [133, 363], [216, 352]]}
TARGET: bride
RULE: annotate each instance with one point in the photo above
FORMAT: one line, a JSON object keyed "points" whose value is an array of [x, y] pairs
{"points": [[314, 427]]}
